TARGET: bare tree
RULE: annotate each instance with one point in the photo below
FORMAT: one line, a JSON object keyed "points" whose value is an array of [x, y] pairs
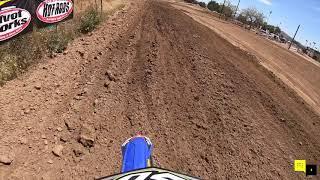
{"points": [[229, 9], [252, 17]]}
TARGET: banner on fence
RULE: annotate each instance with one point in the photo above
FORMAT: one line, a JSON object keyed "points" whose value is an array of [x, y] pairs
{"points": [[15, 18], [50, 12], [18, 16]]}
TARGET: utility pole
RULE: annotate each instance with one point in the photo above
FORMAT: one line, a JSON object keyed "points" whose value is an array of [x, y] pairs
{"points": [[294, 36], [222, 8], [235, 13]]}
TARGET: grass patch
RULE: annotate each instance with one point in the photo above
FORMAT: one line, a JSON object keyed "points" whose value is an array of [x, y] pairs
{"points": [[58, 41], [90, 20], [8, 68]]}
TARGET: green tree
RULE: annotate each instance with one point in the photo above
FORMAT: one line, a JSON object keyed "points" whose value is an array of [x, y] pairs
{"points": [[271, 28], [277, 30], [242, 18], [229, 9], [214, 6], [264, 26], [191, 1], [202, 4]]}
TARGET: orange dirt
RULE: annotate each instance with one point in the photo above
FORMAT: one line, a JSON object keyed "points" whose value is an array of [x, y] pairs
{"points": [[300, 73]]}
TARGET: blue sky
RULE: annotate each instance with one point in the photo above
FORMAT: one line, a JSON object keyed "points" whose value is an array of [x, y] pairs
{"points": [[290, 13]]}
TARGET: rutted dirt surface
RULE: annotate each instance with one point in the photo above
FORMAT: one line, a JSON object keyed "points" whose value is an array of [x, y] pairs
{"points": [[208, 107], [300, 73]]}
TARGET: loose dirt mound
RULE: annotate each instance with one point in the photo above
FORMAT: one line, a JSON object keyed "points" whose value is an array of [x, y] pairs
{"points": [[210, 110]]}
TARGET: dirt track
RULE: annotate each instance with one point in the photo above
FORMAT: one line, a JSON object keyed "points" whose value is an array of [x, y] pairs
{"points": [[210, 109], [300, 73]]}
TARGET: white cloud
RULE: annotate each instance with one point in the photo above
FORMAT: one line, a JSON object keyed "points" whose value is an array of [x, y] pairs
{"points": [[266, 2]]}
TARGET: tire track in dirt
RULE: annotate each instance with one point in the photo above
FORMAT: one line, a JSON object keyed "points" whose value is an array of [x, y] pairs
{"points": [[199, 98], [70, 94]]}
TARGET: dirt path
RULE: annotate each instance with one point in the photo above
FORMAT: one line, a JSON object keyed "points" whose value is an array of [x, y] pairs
{"points": [[301, 74], [208, 107]]}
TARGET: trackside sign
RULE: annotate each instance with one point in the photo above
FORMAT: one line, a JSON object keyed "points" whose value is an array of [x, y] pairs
{"points": [[15, 18], [18, 16], [53, 11], [12, 22]]}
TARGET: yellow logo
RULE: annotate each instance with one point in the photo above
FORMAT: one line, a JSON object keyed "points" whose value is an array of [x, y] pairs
{"points": [[300, 165], [2, 2]]}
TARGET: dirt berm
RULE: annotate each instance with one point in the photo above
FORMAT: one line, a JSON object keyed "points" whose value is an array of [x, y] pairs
{"points": [[209, 108]]}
